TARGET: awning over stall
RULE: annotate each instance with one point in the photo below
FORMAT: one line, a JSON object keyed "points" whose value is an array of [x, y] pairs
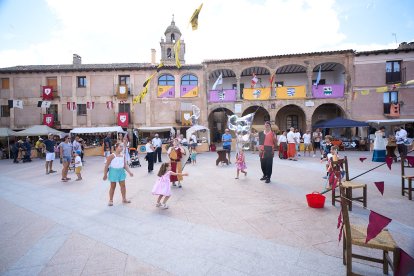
{"points": [[84, 130], [157, 129], [39, 130], [391, 121], [6, 132], [340, 122], [196, 128]]}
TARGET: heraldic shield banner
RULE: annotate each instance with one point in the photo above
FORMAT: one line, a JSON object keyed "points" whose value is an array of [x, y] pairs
{"points": [[47, 93], [48, 120], [123, 119]]}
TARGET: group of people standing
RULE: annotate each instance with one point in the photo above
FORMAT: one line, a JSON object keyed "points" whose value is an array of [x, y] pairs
{"points": [[289, 143]]}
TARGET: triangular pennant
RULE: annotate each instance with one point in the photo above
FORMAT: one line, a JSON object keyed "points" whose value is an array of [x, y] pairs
{"points": [[388, 160], [376, 223], [339, 220], [405, 265], [194, 18], [362, 159], [380, 186], [410, 160]]}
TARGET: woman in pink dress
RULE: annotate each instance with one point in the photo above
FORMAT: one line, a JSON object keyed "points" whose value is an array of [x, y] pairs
{"points": [[162, 187]]}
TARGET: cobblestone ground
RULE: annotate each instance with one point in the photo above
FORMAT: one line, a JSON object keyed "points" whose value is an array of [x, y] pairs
{"points": [[216, 225]]}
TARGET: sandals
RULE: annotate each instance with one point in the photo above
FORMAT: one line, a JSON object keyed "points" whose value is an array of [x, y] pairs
{"points": [[110, 203], [126, 201]]}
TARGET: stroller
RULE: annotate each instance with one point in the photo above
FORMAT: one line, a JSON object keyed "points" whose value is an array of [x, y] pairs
{"points": [[134, 161]]}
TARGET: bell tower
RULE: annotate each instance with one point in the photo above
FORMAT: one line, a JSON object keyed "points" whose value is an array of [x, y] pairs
{"points": [[172, 35]]}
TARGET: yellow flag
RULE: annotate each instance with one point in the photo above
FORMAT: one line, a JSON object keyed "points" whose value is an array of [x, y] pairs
{"points": [[365, 92], [382, 89], [194, 18], [177, 47], [160, 66]]}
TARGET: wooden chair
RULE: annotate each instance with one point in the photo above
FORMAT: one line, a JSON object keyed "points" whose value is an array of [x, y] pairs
{"points": [[355, 235], [222, 157], [350, 186], [409, 189]]}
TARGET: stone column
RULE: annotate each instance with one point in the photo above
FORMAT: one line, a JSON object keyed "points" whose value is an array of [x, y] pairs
{"points": [[309, 72], [238, 88]]}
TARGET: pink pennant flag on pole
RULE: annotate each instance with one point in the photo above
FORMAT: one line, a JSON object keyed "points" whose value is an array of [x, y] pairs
{"points": [[410, 160], [362, 159], [406, 264], [339, 220], [376, 223], [380, 186], [388, 160]]}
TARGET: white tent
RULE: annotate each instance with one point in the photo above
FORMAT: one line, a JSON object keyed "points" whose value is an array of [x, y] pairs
{"points": [[196, 128], [390, 121], [38, 130], [7, 132], [158, 129], [84, 130]]}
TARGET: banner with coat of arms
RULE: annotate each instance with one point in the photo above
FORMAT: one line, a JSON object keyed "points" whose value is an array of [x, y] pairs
{"points": [[47, 93], [48, 120], [256, 94], [123, 119], [291, 92], [186, 118], [122, 93]]}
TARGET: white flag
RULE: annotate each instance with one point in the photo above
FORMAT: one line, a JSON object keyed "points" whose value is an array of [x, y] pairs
{"points": [[318, 78], [218, 81], [18, 104], [46, 104]]}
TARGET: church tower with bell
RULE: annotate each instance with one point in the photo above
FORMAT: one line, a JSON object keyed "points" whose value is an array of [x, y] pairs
{"points": [[172, 35]]}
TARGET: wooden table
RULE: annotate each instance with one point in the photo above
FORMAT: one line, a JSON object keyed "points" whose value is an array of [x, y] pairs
{"points": [[222, 157]]}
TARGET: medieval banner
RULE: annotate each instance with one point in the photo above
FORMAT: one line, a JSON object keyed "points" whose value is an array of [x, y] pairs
{"points": [[166, 91], [188, 91], [123, 119], [122, 93], [186, 118], [291, 92], [227, 95], [48, 120], [328, 91], [256, 94], [47, 93]]}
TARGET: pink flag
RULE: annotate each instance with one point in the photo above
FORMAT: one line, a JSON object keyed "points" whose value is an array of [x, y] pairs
{"points": [[388, 160], [376, 223], [339, 220], [380, 186], [410, 160], [362, 159], [406, 264], [340, 225], [254, 80]]}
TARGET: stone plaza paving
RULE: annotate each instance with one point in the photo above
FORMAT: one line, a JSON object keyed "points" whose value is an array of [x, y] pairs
{"points": [[216, 225]]}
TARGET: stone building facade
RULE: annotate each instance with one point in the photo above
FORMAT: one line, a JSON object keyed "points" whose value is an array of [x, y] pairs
{"points": [[297, 90]]}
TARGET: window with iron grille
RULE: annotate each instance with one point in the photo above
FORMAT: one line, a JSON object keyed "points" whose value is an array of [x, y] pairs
{"points": [[5, 111], [390, 97], [81, 110]]}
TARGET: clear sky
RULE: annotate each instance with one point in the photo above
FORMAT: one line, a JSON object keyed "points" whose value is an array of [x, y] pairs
{"points": [[102, 31]]}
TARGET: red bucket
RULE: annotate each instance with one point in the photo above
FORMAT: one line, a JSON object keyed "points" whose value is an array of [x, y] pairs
{"points": [[315, 200]]}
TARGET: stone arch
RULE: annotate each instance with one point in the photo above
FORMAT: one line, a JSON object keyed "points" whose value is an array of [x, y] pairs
{"points": [[261, 115], [331, 73], [284, 73], [217, 123], [291, 115], [327, 111], [228, 75]]}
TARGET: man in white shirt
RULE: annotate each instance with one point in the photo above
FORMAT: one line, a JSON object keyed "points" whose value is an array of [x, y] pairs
{"points": [[157, 144], [307, 142], [193, 141], [297, 136], [149, 149], [401, 136]]}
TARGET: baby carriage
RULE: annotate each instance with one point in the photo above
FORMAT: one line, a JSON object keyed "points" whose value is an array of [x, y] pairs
{"points": [[134, 161]]}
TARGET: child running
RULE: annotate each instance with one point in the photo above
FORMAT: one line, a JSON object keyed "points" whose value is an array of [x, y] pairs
{"points": [[78, 165], [162, 187], [240, 163]]}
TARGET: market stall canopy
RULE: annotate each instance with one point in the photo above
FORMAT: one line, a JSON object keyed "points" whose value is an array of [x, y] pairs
{"points": [[157, 129], [91, 130], [340, 122], [391, 121], [195, 128], [39, 130], [6, 132]]}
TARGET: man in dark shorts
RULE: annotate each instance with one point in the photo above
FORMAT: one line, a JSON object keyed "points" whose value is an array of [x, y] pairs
{"points": [[49, 145], [226, 139], [317, 138]]}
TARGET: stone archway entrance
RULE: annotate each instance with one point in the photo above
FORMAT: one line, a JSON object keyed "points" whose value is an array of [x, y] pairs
{"points": [[291, 116], [326, 112], [217, 123]]}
